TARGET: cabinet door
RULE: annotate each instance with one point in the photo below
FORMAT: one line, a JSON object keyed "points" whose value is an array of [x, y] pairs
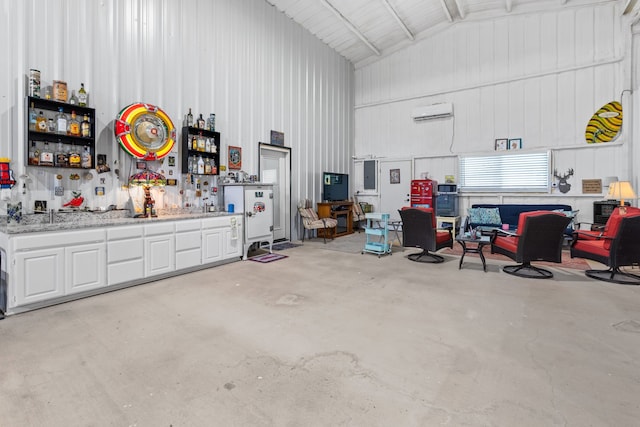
{"points": [[159, 255], [39, 275], [85, 267], [232, 243], [212, 245]]}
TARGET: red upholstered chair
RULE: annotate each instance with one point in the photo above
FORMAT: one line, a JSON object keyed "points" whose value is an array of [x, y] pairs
{"points": [[539, 237], [419, 231], [618, 245]]}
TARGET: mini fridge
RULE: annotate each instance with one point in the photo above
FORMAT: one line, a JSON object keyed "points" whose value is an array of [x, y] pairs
{"points": [[255, 202]]}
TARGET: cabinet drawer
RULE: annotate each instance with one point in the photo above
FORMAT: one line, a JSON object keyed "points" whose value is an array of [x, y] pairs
{"points": [[160, 228], [117, 233], [122, 250], [37, 240], [188, 225], [188, 240]]}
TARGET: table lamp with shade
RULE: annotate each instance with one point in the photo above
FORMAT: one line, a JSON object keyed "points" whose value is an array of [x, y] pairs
{"points": [[621, 190], [147, 179]]}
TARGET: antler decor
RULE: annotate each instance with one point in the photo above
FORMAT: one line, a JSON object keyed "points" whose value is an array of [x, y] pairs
{"points": [[563, 185]]}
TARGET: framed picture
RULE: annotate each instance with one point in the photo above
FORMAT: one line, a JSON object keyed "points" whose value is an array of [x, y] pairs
{"points": [[277, 138], [515, 144], [141, 165], [171, 161], [394, 176], [235, 157], [502, 144]]}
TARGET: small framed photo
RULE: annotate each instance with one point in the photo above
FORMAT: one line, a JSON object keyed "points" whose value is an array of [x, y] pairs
{"points": [[515, 144], [277, 138], [171, 161], [502, 144], [235, 157], [394, 176], [141, 165]]}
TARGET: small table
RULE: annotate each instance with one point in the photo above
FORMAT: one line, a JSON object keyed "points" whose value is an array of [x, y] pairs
{"points": [[453, 220], [480, 242], [395, 226]]}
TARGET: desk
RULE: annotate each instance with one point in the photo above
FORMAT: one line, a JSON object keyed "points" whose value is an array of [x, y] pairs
{"points": [[336, 210], [453, 220]]}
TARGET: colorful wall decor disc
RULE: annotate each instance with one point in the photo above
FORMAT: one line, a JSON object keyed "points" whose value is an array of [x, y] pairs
{"points": [[605, 124], [145, 131]]}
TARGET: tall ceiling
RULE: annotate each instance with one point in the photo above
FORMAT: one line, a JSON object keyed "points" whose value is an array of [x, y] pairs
{"points": [[364, 30]]}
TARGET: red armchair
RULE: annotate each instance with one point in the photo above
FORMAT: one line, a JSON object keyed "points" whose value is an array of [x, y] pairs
{"points": [[419, 231], [618, 245], [539, 237]]}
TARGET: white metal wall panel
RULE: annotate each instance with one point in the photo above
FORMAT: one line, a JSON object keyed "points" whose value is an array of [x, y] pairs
{"points": [[241, 59]]}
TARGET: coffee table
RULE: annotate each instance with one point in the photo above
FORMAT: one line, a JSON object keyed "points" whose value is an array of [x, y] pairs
{"points": [[480, 242]]}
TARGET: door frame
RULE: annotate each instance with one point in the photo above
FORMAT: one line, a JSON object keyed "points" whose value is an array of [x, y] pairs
{"points": [[287, 152]]}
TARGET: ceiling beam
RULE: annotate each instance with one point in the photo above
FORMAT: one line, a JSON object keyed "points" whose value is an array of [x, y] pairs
{"points": [[399, 20], [350, 26], [509, 5], [460, 7], [446, 10]]}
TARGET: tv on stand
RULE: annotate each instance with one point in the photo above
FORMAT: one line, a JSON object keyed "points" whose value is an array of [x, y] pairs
{"points": [[335, 187]]}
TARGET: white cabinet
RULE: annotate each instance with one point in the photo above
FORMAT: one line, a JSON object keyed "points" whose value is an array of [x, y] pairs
{"points": [[188, 244], [159, 249], [39, 275], [125, 254], [212, 245], [85, 267], [233, 238]]}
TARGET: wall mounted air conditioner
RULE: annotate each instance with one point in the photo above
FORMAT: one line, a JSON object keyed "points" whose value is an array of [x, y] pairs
{"points": [[435, 111]]}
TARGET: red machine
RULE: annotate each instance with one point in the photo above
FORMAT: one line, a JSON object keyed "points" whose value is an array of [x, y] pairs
{"points": [[424, 193]]}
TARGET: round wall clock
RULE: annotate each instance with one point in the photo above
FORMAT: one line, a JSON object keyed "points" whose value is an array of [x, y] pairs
{"points": [[145, 131], [605, 124]]}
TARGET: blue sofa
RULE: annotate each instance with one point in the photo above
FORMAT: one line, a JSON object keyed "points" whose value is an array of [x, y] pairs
{"points": [[509, 214]]}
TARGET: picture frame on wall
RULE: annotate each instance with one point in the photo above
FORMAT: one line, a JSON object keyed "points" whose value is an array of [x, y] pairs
{"points": [[502, 144], [515, 144], [394, 176], [235, 157], [277, 138]]}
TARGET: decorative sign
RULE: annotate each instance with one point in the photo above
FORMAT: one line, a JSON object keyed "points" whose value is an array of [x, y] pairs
{"points": [[591, 186], [235, 157], [277, 138], [145, 131], [605, 124]]}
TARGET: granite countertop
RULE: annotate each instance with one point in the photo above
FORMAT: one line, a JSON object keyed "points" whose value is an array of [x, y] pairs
{"points": [[68, 220]]}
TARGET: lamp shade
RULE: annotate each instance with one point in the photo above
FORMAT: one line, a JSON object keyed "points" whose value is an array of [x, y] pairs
{"points": [[621, 190], [148, 178]]}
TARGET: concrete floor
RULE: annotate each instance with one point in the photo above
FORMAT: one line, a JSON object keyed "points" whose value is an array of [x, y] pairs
{"points": [[329, 338]]}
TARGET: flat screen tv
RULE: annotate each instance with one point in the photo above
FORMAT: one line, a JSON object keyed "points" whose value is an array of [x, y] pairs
{"points": [[335, 186]]}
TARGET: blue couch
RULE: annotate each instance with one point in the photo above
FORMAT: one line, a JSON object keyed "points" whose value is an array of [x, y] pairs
{"points": [[509, 214]]}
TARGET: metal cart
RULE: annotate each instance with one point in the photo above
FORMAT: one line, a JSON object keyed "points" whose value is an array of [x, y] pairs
{"points": [[377, 233]]}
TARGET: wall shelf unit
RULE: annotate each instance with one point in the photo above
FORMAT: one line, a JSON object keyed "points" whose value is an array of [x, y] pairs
{"points": [[188, 134]]}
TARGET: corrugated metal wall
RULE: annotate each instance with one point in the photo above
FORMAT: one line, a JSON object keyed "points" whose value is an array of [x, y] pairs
{"points": [[538, 77], [241, 59]]}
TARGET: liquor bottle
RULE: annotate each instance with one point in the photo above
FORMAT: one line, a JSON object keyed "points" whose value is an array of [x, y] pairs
{"points": [[82, 96], [60, 157], [61, 122], [34, 154], [74, 158], [200, 165], [85, 160], [207, 145], [207, 167], [32, 117], [41, 122], [51, 126], [73, 99], [85, 127], [73, 127], [200, 122], [214, 168], [189, 118], [212, 122], [46, 156], [194, 143], [201, 143]]}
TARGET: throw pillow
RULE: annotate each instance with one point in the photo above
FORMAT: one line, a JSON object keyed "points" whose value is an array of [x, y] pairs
{"points": [[485, 216]]}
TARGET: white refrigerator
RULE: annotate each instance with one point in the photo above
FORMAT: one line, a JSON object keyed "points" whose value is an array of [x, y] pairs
{"points": [[255, 202]]}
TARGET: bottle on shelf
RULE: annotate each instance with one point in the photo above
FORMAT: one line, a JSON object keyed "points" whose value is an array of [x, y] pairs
{"points": [[207, 145], [85, 160], [189, 118], [61, 122], [73, 99], [200, 122], [212, 122], [73, 127], [201, 143], [33, 114], [34, 154], [60, 157], [207, 166], [82, 96], [51, 125], [74, 158], [41, 122], [200, 165], [85, 127], [214, 168], [194, 143], [46, 155]]}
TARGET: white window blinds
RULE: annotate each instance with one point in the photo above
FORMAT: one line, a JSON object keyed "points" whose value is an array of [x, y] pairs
{"points": [[516, 173]]}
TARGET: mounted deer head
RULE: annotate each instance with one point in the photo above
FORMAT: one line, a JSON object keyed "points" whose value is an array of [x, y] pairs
{"points": [[563, 185]]}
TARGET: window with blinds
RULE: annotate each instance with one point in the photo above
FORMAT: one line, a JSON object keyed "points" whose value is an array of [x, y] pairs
{"points": [[511, 173]]}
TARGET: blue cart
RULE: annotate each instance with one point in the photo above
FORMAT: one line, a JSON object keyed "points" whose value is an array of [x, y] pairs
{"points": [[377, 233]]}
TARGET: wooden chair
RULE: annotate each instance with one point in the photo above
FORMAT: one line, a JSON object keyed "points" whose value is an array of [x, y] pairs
{"points": [[311, 222], [539, 237], [419, 231], [618, 245]]}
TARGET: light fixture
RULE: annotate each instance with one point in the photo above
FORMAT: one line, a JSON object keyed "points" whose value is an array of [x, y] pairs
{"points": [[621, 190], [148, 179]]}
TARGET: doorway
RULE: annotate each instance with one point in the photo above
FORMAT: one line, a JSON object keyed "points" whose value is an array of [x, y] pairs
{"points": [[275, 168], [395, 186]]}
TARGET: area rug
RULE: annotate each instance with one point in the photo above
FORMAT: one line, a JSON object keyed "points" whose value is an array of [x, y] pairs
{"points": [[264, 258], [284, 245], [567, 261]]}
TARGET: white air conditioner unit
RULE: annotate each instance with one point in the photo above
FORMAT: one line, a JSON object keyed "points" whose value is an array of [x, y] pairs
{"points": [[435, 111]]}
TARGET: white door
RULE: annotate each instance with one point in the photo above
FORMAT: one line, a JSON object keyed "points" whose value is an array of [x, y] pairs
{"points": [[275, 168], [395, 186]]}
